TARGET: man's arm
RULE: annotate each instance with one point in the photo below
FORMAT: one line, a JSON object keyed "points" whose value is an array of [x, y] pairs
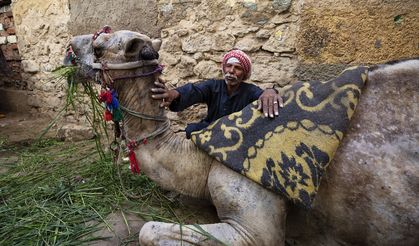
{"points": [[270, 102], [182, 97]]}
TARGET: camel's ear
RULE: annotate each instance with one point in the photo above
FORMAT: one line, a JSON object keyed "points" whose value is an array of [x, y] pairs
{"points": [[156, 43]]}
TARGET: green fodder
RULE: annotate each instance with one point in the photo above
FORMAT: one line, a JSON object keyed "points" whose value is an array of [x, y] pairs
{"points": [[60, 194]]}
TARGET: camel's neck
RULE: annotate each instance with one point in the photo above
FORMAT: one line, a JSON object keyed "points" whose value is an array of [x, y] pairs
{"points": [[134, 94], [171, 160]]}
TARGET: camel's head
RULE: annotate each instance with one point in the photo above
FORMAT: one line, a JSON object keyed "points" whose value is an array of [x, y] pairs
{"points": [[117, 47]]}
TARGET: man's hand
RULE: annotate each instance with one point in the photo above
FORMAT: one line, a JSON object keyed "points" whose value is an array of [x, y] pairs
{"points": [[160, 92], [270, 102]]}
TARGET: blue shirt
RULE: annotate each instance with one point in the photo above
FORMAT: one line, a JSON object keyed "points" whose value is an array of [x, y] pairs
{"points": [[214, 94]]}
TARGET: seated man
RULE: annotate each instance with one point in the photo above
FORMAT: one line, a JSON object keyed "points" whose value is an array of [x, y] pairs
{"points": [[224, 96]]}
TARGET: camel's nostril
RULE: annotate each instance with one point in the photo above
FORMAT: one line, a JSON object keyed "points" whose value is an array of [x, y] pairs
{"points": [[133, 47], [148, 53]]}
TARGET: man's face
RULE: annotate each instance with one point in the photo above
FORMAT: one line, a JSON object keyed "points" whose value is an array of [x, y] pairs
{"points": [[233, 74]]}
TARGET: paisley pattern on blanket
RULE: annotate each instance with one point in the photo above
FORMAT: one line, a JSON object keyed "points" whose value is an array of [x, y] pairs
{"points": [[290, 153]]}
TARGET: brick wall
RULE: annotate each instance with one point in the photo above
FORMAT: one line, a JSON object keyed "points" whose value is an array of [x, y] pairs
{"points": [[10, 61]]}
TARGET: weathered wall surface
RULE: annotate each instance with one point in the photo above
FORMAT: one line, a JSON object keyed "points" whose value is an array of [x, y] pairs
{"points": [[90, 16], [334, 34], [198, 33], [41, 27]]}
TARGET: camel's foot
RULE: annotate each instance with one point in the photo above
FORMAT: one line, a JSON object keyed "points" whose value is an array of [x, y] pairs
{"points": [[158, 233]]}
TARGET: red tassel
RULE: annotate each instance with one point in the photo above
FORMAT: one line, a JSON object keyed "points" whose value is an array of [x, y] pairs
{"points": [[108, 115], [105, 96], [135, 168]]}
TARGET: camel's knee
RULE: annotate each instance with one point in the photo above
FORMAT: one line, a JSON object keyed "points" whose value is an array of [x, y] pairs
{"points": [[149, 234]]}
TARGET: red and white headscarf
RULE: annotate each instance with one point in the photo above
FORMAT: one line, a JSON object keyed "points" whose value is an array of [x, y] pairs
{"points": [[243, 59]]}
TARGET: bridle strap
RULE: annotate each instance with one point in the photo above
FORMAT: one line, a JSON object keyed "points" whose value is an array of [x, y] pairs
{"points": [[124, 66], [158, 69], [104, 67], [157, 132], [143, 116]]}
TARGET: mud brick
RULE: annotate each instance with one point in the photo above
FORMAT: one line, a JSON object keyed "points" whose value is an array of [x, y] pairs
{"points": [[13, 46], [9, 14], [11, 30], [10, 54], [6, 23]]}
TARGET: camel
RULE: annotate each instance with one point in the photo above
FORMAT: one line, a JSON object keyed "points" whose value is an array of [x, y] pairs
{"points": [[369, 195]]}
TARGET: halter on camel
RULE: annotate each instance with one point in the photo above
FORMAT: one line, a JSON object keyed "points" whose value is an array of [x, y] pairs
{"points": [[109, 97]]}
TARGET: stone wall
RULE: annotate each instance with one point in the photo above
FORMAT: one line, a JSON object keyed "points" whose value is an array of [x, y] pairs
{"points": [[90, 16], [196, 34], [42, 30], [287, 40]]}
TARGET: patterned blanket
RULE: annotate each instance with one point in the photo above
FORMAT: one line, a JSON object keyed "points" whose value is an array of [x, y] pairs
{"points": [[290, 153]]}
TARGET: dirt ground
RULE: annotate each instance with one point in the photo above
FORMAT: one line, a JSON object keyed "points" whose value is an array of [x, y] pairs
{"points": [[22, 129], [19, 128]]}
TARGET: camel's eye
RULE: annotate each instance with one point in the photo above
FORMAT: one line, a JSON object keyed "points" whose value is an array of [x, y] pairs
{"points": [[99, 51]]}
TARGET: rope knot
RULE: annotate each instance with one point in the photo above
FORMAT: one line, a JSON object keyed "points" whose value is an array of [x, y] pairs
{"points": [[104, 66], [113, 111], [134, 164], [105, 29]]}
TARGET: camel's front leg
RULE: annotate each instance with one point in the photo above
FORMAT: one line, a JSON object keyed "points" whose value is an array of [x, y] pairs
{"points": [[249, 214]]}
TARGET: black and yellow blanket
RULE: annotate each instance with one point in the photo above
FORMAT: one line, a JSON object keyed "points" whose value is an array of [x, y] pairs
{"points": [[288, 154]]}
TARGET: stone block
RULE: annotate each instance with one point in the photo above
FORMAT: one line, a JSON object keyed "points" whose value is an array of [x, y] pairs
{"points": [[3, 40], [75, 132], [263, 34], [30, 66], [282, 40], [207, 70], [12, 39], [249, 44], [272, 70], [1, 27], [281, 5], [197, 43]]}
